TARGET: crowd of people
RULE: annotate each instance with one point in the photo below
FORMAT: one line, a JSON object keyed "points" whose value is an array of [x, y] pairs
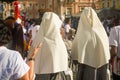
{"points": [[35, 50]]}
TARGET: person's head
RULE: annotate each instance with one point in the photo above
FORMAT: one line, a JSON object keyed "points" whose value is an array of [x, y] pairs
{"points": [[115, 22], [67, 21], [5, 34], [37, 22], [49, 22], [9, 21]]}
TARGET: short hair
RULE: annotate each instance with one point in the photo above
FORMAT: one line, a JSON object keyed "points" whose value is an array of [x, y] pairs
{"points": [[5, 34]]}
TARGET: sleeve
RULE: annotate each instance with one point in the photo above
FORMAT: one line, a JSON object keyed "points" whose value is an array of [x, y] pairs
{"points": [[38, 27], [20, 67], [113, 37], [66, 28]]}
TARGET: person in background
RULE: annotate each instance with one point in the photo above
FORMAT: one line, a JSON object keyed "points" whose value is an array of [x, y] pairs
{"points": [[52, 59], [114, 40], [9, 22], [17, 42], [12, 66], [18, 38], [90, 48], [35, 29], [33, 32], [67, 27]]}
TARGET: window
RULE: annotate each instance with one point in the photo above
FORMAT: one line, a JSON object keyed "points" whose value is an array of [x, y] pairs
{"points": [[113, 4], [69, 11], [102, 4], [108, 4]]}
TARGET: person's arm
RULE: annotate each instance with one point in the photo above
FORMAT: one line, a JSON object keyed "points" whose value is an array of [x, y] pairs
{"points": [[31, 61], [31, 71], [113, 51], [25, 77], [30, 74]]}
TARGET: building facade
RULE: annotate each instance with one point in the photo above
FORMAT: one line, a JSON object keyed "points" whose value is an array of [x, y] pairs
{"points": [[32, 8], [110, 4], [76, 6]]}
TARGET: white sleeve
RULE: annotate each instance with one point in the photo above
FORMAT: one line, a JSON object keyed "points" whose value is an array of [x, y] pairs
{"points": [[67, 28], [113, 37], [20, 67], [38, 26]]}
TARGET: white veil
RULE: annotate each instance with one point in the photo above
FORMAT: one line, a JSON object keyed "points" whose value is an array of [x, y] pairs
{"points": [[91, 44]]}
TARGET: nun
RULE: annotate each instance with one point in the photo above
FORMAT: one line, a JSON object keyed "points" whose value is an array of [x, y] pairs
{"points": [[90, 48], [52, 59]]}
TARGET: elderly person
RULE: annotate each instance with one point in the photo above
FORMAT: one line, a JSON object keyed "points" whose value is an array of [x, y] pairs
{"points": [[12, 66], [91, 47], [52, 59]]}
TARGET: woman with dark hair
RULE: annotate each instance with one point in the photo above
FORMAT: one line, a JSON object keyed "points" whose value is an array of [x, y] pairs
{"points": [[12, 66], [17, 42], [18, 38]]}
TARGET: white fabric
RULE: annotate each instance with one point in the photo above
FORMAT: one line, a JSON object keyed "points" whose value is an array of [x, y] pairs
{"points": [[24, 30], [91, 44], [70, 73], [30, 28], [114, 38], [53, 55], [67, 28], [18, 20], [35, 30], [12, 66], [108, 74]]}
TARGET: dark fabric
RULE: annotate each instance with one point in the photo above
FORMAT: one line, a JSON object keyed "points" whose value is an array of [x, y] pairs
{"points": [[52, 76], [86, 72], [42, 77], [115, 77]]}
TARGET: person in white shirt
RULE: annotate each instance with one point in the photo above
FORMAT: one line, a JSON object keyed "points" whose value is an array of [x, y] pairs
{"points": [[35, 29], [12, 66], [67, 27], [114, 41]]}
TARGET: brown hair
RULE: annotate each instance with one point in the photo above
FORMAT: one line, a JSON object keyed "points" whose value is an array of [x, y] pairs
{"points": [[5, 34]]}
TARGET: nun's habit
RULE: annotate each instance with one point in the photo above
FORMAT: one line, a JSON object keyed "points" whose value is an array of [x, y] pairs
{"points": [[53, 57], [91, 47]]}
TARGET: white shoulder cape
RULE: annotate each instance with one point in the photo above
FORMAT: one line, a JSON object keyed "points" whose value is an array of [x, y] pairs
{"points": [[53, 55], [91, 44]]}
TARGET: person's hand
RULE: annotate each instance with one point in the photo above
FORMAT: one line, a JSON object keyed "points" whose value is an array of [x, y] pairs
{"points": [[35, 51]]}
